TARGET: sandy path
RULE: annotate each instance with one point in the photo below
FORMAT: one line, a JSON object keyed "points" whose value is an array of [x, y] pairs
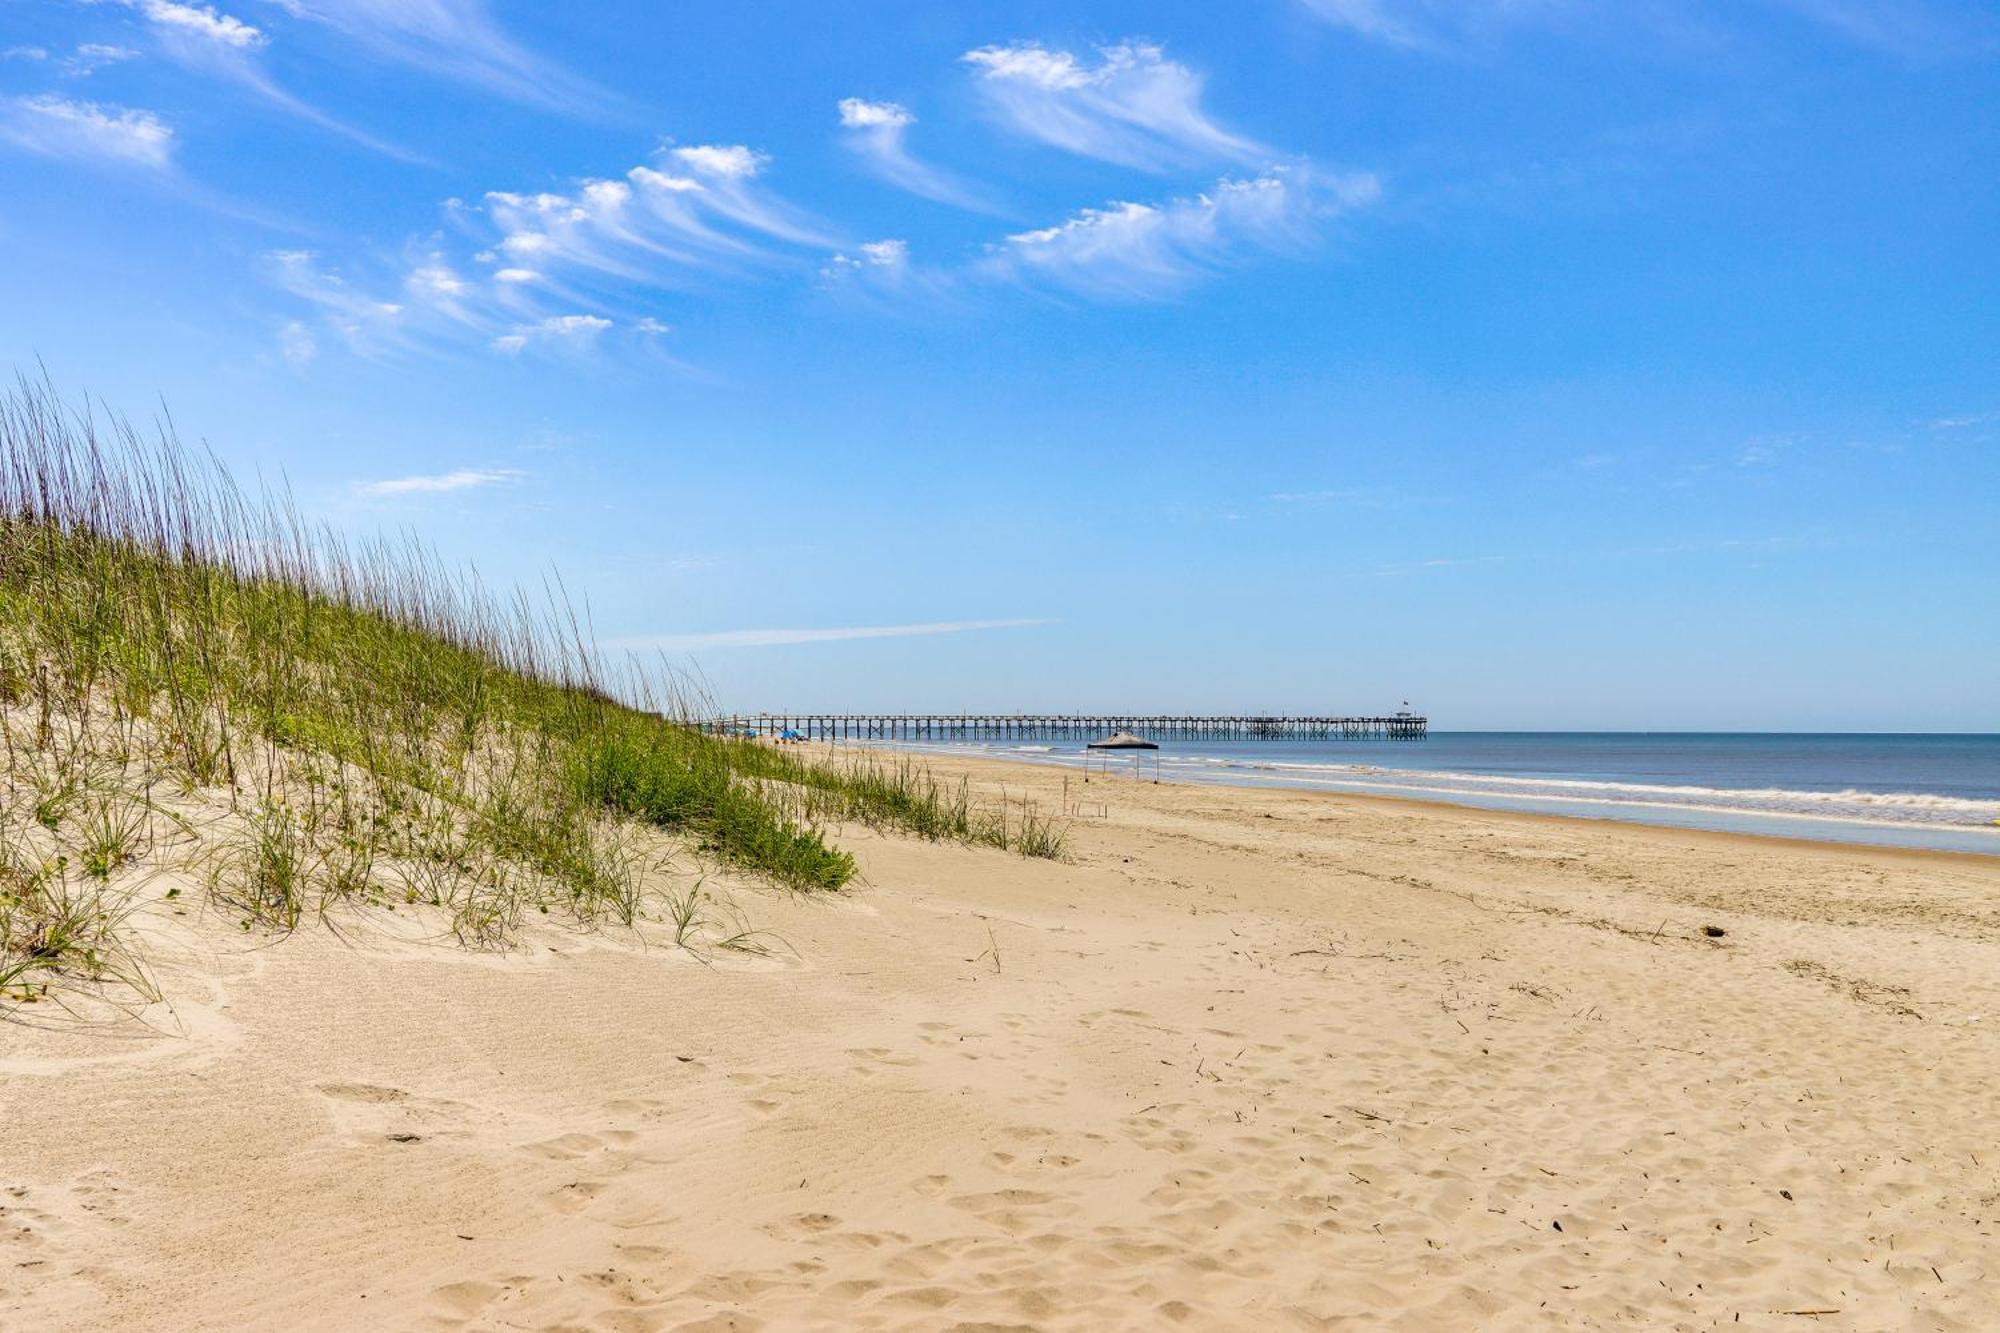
{"points": [[1254, 1058]]}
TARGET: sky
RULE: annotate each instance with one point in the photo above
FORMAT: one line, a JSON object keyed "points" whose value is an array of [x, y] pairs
{"points": [[1544, 363]]}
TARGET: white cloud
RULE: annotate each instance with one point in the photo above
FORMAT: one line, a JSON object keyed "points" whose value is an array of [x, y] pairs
{"points": [[857, 114], [1370, 497], [202, 22], [1914, 28], [731, 161], [876, 255], [435, 281], [205, 39], [1396, 21], [564, 265], [90, 57], [876, 132], [1150, 251], [702, 208], [556, 330], [25, 53], [593, 229], [297, 344], [453, 39], [367, 323], [883, 275], [463, 480], [1133, 107], [698, 213], [557, 255], [1909, 28], [90, 131], [770, 638], [1438, 26], [568, 326]]}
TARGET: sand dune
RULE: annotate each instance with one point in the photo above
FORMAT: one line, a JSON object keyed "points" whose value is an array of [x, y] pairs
{"points": [[1253, 1059]]}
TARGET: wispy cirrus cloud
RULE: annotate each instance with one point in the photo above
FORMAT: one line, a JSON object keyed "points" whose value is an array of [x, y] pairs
{"points": [[1910, 28], [82, 131], [89, 57], [1150, 251], [876, 133], [1124, 250], [883, 275], [771, 638], [452, 39], [1435, 24], [556, 269], [1750, 547], [1360, 497], [206, 39], [368, 324], [885, 260], [1132, 106], [1962, 422], [297, 344], [691, 211], [204, 23], [443, 483], [571, 331]]}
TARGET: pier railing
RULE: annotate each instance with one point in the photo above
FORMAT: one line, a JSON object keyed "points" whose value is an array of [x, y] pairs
{"points": [[1070, 726]]}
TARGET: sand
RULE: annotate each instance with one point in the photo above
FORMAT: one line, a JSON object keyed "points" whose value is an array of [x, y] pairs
{"points": [[1251, 1059]]}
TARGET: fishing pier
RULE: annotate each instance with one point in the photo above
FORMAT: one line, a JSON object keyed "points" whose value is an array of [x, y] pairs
{"points": [[1070, 726]]}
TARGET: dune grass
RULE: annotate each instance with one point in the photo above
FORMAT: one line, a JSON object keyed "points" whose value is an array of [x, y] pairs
{"points": [[382, 730]]}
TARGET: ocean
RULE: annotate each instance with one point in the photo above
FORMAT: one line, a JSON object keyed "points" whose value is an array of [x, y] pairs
{"points": [[1931, 791]]}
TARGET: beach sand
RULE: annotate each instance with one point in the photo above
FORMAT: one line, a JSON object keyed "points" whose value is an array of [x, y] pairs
{"points": [[1251, 1058]]}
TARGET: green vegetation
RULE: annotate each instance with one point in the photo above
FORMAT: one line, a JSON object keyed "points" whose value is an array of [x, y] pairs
{"points": [[381, 732]]}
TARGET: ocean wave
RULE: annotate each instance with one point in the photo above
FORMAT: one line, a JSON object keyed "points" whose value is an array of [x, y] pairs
{"points": [[1913, 806], [1850, 805]]}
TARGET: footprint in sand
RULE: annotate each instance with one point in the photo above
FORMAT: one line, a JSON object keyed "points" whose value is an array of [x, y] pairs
{"points": [[466, 1299], [569, 1147], [374, 1111], [815, 1222], [994, 1201], [576, 1196], [871, 1057]]}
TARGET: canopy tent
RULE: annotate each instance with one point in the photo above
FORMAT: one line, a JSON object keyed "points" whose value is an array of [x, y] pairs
{"points": [[1123, 740]]}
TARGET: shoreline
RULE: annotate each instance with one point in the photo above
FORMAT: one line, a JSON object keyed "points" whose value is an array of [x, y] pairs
{"points": [[1220, 777]]}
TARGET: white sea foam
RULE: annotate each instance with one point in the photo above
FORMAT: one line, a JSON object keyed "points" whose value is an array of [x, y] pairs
{"points": [[1903, 806], [1917, 811]]}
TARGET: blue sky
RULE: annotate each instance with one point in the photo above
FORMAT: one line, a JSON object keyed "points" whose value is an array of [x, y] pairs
{"points": [[1547, 362]]}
